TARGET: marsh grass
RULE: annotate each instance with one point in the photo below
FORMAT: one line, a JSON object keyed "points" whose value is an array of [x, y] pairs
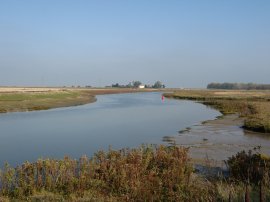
{"points": [[36, 96], [253, 106], [29, 101]]}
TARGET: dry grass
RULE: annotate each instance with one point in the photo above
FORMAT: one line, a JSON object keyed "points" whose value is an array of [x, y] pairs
{"points": [[222, 94], [29, 101], [27, 89], [259, 120], [253, 106]]}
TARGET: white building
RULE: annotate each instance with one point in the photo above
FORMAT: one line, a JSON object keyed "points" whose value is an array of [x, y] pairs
{"points": [[141, 86]]}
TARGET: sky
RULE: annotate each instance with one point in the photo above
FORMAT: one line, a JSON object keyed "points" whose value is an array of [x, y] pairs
{"points": [[183, 43]]}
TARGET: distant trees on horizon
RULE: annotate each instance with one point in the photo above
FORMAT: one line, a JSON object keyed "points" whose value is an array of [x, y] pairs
{"points": [[239, 86], [136, 84]]}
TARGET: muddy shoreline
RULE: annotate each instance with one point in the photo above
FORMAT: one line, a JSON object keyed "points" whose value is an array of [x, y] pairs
{"points": [[252, 105], [213, 141]]}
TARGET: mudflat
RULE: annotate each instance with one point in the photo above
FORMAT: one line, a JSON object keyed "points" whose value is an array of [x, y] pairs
{"points": [[216, 140]]}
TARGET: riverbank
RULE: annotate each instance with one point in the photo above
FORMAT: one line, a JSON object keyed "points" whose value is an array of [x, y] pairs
{"points": [[146, 173], [253, 106], [214, 141], [19, 99]]}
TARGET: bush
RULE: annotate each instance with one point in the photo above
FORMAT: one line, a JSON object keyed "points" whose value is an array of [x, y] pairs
{"points": [[147, 173], [251, 169]]}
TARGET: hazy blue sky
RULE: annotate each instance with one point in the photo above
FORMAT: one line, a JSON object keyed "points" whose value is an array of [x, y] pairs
{"points": [[182, 43]]}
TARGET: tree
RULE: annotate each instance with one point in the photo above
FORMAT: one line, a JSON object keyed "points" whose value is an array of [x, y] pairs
{"points": [[238, 86], [158, 84], [136, 84], [129, 85], [115, 85]]}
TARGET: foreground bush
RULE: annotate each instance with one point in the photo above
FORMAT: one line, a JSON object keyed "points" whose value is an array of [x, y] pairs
{"points": [[251, 169], [147, 173], [143, 174]]}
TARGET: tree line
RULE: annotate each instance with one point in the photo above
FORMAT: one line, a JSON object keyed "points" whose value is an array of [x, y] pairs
{"points": [[239, 86], [136, 84]]}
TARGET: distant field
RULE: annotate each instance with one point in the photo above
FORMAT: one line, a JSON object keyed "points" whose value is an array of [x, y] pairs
{"points": [[41, 100], [27, 89], [252, 105], [14, 99]]}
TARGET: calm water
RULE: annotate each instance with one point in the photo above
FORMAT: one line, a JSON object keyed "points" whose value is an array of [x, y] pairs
{"points": [[122, 120]]}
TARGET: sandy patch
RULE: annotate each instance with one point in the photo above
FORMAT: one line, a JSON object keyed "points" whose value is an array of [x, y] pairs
{"points": [[28, 89]]}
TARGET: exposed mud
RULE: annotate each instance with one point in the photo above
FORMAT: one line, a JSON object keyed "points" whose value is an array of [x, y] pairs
{"points": [[216, 140]]}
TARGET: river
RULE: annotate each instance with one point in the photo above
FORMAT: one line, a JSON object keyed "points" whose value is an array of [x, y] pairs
{"points": [[116, 121]]}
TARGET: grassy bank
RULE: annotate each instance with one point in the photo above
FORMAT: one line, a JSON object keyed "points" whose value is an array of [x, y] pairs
{"points": [[146, 173], [29, 99], [253, 106]]}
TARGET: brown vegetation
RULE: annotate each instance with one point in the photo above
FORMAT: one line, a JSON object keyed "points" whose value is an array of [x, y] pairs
{"points": [[146, 173], [252, 169], [143, 174]]}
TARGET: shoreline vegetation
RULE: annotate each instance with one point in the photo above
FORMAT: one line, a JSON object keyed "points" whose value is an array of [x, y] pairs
{"points": [[19, 99], [146, 173], [251, 105]]}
